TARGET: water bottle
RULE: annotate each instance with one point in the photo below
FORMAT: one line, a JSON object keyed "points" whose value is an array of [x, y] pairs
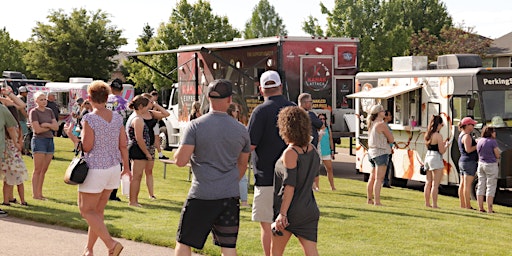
{"points": [[125, 185]]}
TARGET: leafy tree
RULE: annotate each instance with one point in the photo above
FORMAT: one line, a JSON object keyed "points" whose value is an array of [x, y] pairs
{"points": [[450, 41], [312, 27], [137, 73], [264, 22], [384, 28], [78, 44], [11, 53], [188, 24]]}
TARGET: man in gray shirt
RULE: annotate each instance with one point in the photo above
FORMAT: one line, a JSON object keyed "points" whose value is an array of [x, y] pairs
{"points": [[218, 148]]}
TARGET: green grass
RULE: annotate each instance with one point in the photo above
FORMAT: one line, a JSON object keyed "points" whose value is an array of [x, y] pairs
{"points": [[348, 226]]}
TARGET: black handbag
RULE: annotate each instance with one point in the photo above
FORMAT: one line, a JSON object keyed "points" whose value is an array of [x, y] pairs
{"points": [[77, 169], [422, 170]]}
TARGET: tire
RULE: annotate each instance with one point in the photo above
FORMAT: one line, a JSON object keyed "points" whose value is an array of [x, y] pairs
{"points": [[366, 177], [397, 182], [164, 140]]}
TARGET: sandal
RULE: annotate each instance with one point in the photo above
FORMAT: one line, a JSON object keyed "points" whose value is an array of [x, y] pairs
{"points": [[13, 201], [6, 204], [116, 250], [24, 204]]}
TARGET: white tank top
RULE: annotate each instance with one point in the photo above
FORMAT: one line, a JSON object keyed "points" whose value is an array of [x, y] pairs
{"points": [[377, 143]]}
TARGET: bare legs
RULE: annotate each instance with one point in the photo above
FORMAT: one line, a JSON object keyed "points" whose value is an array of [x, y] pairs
{"points": [[149, 177], [9, 194], [41, 163], [375, 184], [266, 237], [432, 187], [92, 207], [279, 244], [138, 167], [330, 175], [465, 191]]}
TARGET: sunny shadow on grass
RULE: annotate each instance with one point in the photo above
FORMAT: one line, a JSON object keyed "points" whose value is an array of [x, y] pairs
{"points": [[348, 226]]}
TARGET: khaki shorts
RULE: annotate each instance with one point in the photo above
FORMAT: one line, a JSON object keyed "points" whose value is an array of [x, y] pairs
{"points": [[263, 204]]}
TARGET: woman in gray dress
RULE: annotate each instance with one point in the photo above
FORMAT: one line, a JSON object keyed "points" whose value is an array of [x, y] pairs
{"points": [[295, 208]]}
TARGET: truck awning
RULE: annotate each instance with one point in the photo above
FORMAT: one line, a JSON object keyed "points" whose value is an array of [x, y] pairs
{"points": [[384, 92]]}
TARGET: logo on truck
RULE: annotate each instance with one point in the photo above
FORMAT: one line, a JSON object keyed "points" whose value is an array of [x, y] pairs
{"points": [[317, 73]]}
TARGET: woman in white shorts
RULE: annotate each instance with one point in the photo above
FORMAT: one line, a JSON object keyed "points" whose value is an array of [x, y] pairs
{"points": [[105, 146], [434, 164]]}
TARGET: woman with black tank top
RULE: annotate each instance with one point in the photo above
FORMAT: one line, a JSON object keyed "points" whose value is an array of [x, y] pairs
{"points": [[468, 161], [434, 164]]}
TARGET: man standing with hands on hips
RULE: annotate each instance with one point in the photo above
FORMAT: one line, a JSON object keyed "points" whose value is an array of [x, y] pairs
{"points": [[218, 148], [267, 147]]}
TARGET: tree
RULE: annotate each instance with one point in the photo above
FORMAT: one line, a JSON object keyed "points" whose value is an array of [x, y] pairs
{"points": [[78, 44], [264, 22], [451, 40], [384, 28], [312, 27], [137, 73], [11, 53], [188, 24]]}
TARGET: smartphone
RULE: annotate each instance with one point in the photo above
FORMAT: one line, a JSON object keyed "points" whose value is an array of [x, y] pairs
{"points": [[276, 232]]}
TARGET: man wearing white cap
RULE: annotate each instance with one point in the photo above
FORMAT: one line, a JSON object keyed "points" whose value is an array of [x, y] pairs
{"points": [[267, 147]]}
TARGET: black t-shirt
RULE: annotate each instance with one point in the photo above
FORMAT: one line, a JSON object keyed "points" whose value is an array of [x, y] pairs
{"points": [[265, 136]]}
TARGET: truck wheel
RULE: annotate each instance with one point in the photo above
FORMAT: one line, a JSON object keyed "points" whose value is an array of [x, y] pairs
{"points": [[397, 182], [164, 141]]}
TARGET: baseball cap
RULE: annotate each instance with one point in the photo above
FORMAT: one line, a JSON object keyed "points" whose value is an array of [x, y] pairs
{"points": [[468, 120], [80, 100], [376, 109], [117, 84], [22, 89], [220, 89], [270, 76]]}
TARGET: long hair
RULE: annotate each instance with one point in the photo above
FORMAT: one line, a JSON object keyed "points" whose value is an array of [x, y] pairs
{"points": [[435, 121], [374, 113]]}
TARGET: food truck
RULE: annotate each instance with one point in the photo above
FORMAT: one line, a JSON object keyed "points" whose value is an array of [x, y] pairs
{"points": [[323, 67], [459, 87]]}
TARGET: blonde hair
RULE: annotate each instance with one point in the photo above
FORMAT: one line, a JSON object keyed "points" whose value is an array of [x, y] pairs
{"points": [[38, 94], [98, 91], [374, 112]]}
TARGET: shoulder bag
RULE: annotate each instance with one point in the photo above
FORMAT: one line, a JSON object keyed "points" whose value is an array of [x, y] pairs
{"points": [[77, 169]]}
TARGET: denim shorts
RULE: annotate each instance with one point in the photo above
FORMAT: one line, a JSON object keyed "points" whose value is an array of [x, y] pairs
{"points": [[42, 145], [433, 161], [380, 160], [468, 167]]}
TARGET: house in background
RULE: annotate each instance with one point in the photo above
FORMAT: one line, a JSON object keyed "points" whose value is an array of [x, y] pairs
{"points": [[500, 52]]}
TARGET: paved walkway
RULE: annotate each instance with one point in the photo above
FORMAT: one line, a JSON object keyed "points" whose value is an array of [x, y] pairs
{"points": [[27, 238]]}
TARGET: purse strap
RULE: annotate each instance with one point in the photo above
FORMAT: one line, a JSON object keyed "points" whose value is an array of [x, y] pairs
{"points": [[79, 149]]}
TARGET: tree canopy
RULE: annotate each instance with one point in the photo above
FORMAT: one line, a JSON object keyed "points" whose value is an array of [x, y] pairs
{"points": [[76, 44], [264, 22], [384, 28], [11, 53], [188, 24]]}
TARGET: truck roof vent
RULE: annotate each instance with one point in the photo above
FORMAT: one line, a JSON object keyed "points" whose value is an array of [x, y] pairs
{"points": [[457, 61], [80, 80], [13, 75]]}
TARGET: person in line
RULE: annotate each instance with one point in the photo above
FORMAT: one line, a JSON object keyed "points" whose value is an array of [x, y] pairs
{"points": [[195, 112], [389, 169], [234, 111], [488, 170], [13, 165], [154, 99], [434, 164], [266, 146], [116, 102], [326, 147], [7, 128], [74, 126], [295, 208], [140, 147], [23, 118], [468, 161], [44, 124], [306, 102], [54, 106], [379, 138], [218, 148], [105, 147]]}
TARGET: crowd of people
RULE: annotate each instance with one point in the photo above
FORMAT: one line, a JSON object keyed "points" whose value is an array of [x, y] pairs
{"points": [[285, 143]]}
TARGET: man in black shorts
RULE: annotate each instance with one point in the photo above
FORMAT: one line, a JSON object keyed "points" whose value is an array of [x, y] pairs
{"points": [[218, 148]]}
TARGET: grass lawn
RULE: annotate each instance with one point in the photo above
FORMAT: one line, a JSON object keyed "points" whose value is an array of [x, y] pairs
{"points": [[348, 226]]}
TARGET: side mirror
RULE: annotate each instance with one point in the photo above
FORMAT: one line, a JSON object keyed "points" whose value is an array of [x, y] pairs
{"points": [[470, 104]]}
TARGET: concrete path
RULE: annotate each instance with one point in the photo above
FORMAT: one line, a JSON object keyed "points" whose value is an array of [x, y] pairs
{"points": [[21, 237]]}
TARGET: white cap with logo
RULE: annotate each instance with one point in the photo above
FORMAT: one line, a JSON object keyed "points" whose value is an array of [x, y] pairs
{"points": [[272, 77]]}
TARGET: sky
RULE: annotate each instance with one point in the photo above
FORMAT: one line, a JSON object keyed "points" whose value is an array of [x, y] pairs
{"points": [[491, 18]]}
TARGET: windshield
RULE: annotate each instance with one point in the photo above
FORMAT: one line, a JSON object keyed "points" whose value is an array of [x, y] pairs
{"points": [[497, 107]]}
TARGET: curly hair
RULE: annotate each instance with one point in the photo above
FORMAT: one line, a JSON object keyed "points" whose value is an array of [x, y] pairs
{"points": [[294, 126], [98, 91]]}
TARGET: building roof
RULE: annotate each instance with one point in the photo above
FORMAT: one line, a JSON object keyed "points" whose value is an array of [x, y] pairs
{"points": [[501, 46]]}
